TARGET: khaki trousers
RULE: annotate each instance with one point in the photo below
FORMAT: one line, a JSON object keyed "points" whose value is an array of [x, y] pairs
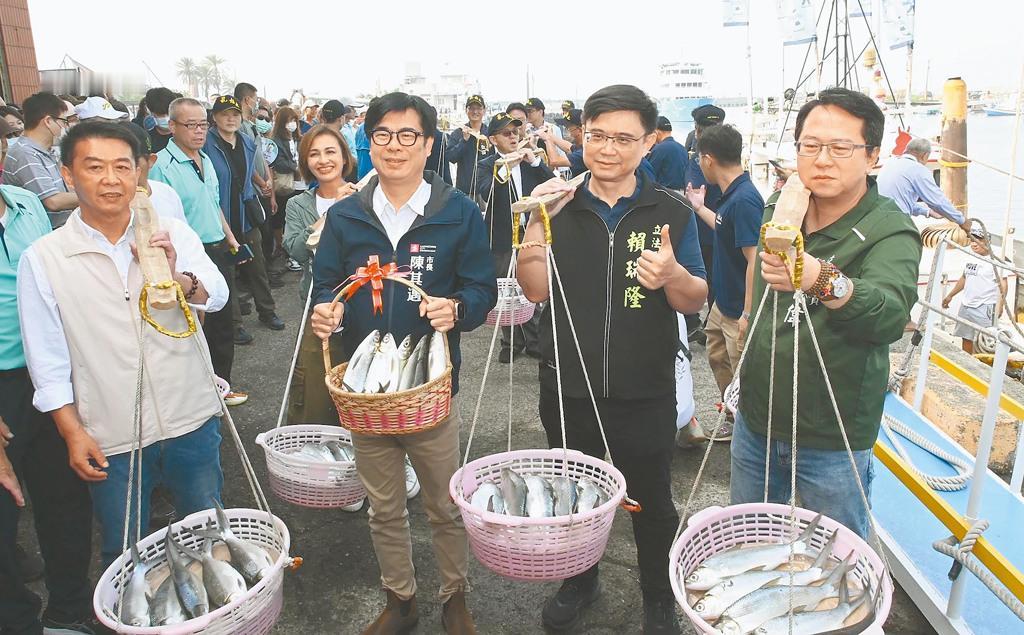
{"points": [[724, 347], [380, 462], [308, 399]]}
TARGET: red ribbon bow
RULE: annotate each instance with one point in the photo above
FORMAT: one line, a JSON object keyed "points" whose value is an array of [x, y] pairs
{"points": [[373, 273]]}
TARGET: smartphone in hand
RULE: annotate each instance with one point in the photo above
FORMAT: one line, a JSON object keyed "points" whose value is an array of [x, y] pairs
{"points": [[242, 255]]}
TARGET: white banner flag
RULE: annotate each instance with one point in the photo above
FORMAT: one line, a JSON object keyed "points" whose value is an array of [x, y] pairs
{"points": [[898, 22], [861, 9], [796, 19], [735, 12]]}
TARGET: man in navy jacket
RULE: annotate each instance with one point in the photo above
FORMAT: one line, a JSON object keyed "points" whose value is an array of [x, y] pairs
{"points": [[465, 149], [411, 217]]}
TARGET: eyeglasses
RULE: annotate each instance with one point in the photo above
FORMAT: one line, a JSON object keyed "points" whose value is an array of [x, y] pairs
{"points": [[197, 125], [619, 141], [508, 132], [406, 136], [836, 149], [262, 118], [66, 121]]}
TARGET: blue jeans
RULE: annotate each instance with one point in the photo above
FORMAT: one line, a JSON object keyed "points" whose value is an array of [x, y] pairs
{"points": [[188, 466], [824, 479]]}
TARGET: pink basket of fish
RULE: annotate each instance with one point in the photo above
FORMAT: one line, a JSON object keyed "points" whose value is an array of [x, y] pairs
{"points": [[740, 569], [512, 308], [538, 514], [312, 465], [215, 571]]}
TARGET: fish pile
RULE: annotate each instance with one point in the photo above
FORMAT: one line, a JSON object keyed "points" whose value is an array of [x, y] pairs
{"points": [[327, 452], [379, 366], [537, 497], [184, 594], [747, 589]]}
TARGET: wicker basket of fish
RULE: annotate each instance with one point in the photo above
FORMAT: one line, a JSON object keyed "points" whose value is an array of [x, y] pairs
{"points": [[739, 569], [389, 389], [512, 308], [312, 465], [216, 571], [538, 514]]}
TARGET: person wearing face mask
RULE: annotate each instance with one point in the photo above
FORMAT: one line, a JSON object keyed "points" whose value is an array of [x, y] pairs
{"points": [[287, 180], [30, 162], [158, 102]]}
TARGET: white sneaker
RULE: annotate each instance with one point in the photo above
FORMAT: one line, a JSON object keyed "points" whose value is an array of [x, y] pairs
{"points": [[293, 265], [412, 482], [354, 507]]}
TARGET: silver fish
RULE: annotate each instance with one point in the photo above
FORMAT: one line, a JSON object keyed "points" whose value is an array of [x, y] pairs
{"points": [[316, 452], [166, 609], [190, 589], [540, 499], [134, 609], [438, 361], [770, 602], [223, 584], [488, 497], [811, 622], [409, 370], [422, 363], [513, 492], [252, 561], [742, 559], [383, 375], [340, 450], [729, 591], [590, 496], [404, 351], [566, 495], [359, 364]]}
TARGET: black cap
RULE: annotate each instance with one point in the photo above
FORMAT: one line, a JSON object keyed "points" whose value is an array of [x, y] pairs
{"points": [[332, 110], [708, 115], [572, 118], [568, 105], [225, 102], [475, 99], [664, 124], [533, 102], [500, 121]]}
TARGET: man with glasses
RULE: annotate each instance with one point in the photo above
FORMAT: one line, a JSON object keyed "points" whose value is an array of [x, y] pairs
{"points": [[513, 173], [188, 169], [860, 266], [31, 163], [410, 216], [627, 253], [467, 145]]}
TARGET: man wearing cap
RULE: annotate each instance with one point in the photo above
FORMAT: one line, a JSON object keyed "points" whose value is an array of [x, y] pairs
{"points": [[517, 173], [348, 130], [98, 108], [668, 157], [310, 109], [467, 145], [572, 149], [535, 118], [906, 179], [332, 114]]}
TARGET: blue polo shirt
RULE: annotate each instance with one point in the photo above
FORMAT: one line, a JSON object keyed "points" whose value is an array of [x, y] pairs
{"points": [[199, 192], [695, 177], [737, 225], [669, 160], [687, 250], [25, 222]]}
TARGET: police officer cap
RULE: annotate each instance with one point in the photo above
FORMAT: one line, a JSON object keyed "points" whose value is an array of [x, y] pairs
{"points": [[501, 121], [573, 117], [708, 115], [664, 124]]}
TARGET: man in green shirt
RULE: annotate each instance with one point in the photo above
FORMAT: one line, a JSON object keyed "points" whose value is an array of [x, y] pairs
{"points": [[859, 277]]}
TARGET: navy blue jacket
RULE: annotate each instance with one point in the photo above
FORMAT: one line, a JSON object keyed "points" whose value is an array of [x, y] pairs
{"points": [[466, 154], [438, 159], [669, 160], [222, 166], [498, 215], [446, 250]]}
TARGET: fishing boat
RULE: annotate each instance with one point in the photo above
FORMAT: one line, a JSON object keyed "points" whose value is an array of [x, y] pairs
{"points": [[681, 87], [1000, 111]]}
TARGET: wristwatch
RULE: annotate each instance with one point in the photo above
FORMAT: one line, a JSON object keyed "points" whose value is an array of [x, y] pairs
{"points": [[460, 309], [831, 284]]}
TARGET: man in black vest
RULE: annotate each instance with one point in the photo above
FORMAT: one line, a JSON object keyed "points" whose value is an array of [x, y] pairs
{"points": [[629, 260], [503, 182]]}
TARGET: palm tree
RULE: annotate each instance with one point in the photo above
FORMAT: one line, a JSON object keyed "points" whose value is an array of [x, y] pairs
{"points": [[187, 72], [213, 61], [204, 75]]}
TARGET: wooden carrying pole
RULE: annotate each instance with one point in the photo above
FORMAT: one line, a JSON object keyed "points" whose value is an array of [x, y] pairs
{"points": [[152, 260], [529, 203], [788, 217]]}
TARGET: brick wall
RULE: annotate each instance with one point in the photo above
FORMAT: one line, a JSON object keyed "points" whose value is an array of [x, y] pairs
{"points": [[19, 54]]}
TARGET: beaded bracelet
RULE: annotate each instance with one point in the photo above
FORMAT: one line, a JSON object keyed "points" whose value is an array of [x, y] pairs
{"points": [[195, 284]]}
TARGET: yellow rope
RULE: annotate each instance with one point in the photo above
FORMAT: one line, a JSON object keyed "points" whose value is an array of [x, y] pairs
{"points": [[953, 164], [796, 268], [182, 304]]}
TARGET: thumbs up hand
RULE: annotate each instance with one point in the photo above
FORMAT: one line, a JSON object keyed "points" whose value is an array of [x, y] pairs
{"points": [[655, 268]]}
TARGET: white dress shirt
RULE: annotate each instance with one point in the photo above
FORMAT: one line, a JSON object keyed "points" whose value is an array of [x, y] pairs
{"points": [[166, 201], [397, 222], [46, 349]]}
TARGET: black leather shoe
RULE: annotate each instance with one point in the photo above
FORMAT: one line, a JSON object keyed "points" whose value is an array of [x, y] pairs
{"points": [[242, 337], [505, 355], [660, 616], [273, 322], [563, 611]]}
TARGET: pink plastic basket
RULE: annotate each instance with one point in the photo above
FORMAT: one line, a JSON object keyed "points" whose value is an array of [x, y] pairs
{"points": [[538, 548], [512, 308], [716, 529], [308, 482], [255, 613]]}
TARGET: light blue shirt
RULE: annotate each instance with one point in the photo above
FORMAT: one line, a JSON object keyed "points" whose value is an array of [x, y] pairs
{"points": [[200, 196], [910, 184], [24, 223], [349, 133]]}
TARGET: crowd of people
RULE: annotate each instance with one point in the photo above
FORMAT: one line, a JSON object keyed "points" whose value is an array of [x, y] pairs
{"points": [[657, 230]]}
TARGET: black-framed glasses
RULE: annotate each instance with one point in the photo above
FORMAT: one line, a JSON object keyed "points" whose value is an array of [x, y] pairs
{"points": [[263, 117], [196, 125], [508, 132], [622, 142], [64, 120], [406, 136], [836, 149]]}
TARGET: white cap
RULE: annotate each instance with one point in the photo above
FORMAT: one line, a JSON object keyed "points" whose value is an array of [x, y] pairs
{"points": [[362, 110], [309, 103], [98, 107]]}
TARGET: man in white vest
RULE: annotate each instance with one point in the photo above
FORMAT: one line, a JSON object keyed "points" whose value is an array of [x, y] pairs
{"points": [[78, 298]]}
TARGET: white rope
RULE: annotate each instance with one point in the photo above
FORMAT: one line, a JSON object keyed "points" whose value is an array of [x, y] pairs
{"points": [[962, 556], [558, 365], [295, 356], [771, 393], [134, 476], [941, 483], [798, 300]]}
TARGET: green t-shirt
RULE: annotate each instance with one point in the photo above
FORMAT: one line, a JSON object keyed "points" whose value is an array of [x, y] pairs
{"points": [[878, 247]]}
